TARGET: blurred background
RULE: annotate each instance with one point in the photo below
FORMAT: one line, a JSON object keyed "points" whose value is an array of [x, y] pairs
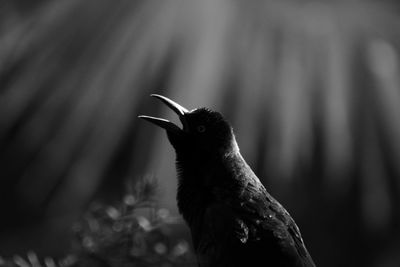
{"points": [[311, 87]]}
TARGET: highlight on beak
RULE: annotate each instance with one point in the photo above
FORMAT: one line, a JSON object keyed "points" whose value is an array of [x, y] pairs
{"points": [[172, 105], [166, 124]]}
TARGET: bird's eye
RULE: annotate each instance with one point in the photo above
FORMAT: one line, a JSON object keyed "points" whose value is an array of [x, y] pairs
{"points": [[201, 128]]}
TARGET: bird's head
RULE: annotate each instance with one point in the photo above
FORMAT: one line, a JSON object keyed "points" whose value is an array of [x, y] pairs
{"points": [[204, 132]]}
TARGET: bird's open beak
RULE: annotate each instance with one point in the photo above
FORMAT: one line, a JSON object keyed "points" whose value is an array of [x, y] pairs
{"points": [[166, 124]]}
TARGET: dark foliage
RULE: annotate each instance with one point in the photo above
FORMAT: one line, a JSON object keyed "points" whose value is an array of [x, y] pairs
{"points": [[134, 232]]}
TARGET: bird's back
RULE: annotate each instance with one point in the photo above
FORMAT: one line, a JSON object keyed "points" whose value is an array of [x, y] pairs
{"points": [[244, 226]]}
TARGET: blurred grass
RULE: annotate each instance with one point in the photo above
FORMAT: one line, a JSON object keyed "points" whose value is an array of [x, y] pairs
{"points": [[133, 232], [311, 88]]}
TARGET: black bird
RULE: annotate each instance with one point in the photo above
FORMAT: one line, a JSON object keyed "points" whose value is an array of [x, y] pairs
{"points": [[233, 220]]}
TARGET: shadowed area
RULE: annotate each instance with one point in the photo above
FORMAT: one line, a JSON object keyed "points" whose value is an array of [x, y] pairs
{"points": [[311, 88]]}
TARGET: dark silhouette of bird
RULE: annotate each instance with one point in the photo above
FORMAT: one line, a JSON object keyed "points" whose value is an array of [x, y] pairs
{"points": [[233, 220]]}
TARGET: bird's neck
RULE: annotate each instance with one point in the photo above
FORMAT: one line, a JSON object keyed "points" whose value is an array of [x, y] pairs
{"points": [[194, 186], [201, 183]]}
